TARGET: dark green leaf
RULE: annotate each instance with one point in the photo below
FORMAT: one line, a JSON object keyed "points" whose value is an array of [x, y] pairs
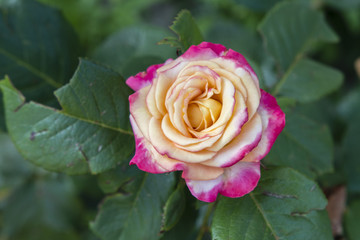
{"points": [[38, 49], [344, 4], [303, 145], [350, 160], [187, 227], [174, 208], [257, 5], [348, 107], [137, 214], [111, 181], [236, 37], [308, 81], [14, 170], [352, 219], [135, 48], [289, 28], [47, 206], [285, 205], [94, 20], [187, 31], [92, 132]]}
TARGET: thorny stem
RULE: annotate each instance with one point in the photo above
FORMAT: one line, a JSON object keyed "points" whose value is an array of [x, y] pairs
{"points": [[204, 226]]}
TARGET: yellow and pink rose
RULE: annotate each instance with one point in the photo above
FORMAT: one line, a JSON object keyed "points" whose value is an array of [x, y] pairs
{"points": [[204, 114]]}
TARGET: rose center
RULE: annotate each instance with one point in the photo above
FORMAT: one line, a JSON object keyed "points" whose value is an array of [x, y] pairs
{"points": [[203, 113]]}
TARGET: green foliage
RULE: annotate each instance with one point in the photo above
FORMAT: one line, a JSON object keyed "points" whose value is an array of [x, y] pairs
{"points": [[52, 198], [94, 20], [285, 205], [309, 81], [186, 30], [174, 208], [133, 49], [31, 51], [136, 214], [87, 130], [303, 145], [352, 218], [288, 30], [86, 135], [236, 37]]}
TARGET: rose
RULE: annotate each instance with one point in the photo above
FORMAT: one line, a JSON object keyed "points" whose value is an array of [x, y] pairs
{"points": [[204, 113]]}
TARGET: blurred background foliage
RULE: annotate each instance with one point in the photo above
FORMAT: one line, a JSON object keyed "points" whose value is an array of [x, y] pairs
{"points": [[37, 204]]}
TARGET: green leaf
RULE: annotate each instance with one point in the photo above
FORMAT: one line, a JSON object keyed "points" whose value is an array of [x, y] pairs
{"points": [[308, 81], [236, 37], [111, 181], [285, 205], [348, 107], [344, 4], [94, 20], [352, 219], [134, 48], [14, 170], [174, 208], [187, 31], [136, 214], [92, 132], [350, 160], [288, 30], [257, 5], [303, 145], [47, 206], [38, 49]]}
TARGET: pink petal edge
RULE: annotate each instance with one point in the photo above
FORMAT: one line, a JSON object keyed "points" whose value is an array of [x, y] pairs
{"points": [[238, 180], [142, 79], [269, 111]]}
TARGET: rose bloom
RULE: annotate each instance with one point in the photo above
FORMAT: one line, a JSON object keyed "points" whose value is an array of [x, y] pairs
{"points": [[204, 113]]}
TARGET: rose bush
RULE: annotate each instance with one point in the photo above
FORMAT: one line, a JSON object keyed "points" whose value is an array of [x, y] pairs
{"points": [[204, 113]]}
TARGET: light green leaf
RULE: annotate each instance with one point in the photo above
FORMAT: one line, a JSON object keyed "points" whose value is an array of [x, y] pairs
{"points": [[135, 48], [352, 219], [285, 205], [308, 81], [187, 31], [136, 214], [92, 132], [288, 30], [38, 49], [303, 145]]}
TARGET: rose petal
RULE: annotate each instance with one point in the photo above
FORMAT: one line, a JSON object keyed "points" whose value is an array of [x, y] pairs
{"points": [[236, 181], [240, 146], [217, 48], [147, 158], [241, 62], [155, 99], [273, 120], [248, 82], [238, 119], [165, 147], [240, 179], [139, 111], [200, 53], [143, 79], [201, 172], [186, 143]]}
